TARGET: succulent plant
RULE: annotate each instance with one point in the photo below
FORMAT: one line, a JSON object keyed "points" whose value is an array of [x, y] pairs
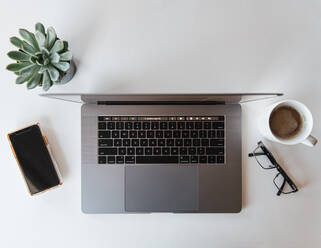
{"points": [[42, 58]]}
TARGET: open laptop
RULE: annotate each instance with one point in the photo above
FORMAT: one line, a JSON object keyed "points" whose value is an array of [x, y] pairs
{"points": [[161, 152]]}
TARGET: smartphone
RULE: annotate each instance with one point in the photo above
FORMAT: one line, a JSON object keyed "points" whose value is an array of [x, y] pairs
{"points": [[34, 159]]}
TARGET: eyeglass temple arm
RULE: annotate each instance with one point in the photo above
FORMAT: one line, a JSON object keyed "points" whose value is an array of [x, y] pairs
{"points": [[287, 178], [256, 154]]}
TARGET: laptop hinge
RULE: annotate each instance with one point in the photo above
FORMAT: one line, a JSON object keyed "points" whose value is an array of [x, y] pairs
{"points": [[160, 102]]}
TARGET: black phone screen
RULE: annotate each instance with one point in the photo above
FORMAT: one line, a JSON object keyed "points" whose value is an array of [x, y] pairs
{"points": [[34, 159]]}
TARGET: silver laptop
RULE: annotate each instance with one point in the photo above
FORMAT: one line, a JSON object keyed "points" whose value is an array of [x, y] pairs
{"points": [[177, 153]]}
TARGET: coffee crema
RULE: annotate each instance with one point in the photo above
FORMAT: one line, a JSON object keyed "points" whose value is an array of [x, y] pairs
{"points": [[285, 122]]}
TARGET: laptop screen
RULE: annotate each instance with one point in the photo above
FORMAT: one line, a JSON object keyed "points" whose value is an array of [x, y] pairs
{"points": [[162, 98]]}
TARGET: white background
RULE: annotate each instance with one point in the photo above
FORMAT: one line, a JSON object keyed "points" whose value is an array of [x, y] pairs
{"points": [[167, 46]]}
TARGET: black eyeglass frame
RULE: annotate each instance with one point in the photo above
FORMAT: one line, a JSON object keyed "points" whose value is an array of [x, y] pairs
{"points": [[276, 166]]}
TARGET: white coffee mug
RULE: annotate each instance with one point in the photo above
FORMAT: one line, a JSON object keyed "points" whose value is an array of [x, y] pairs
{"points": [[304, 136]]}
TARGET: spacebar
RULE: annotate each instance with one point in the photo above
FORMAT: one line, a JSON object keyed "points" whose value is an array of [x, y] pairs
{"points": [[156, 159]]}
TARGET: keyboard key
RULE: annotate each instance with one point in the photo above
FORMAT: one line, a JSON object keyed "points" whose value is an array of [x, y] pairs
{"points": [[170, 142], [115, 134], [183, 151], [203, 134], [105, 142], [130, 151], [148, 151], [187, 142], [120, 159], [200, 151], [194, 134], [126, 142], [135, 142], [192, 151], [176, 134], [174, 151], [220, 133], [172, 125], [220, 159], [205, 142], [163, 125], [119, 125], [168, 134], [111, 159], [133, 134], [117, 142], [178, 142], [211, 134], [152, 142], [157, 151], [139, 151], [196, 142], [124, 134], [102, 160], [104, 134], [128, 125], [217, 142], [156, 159], [102, 125], [144, 142], [203, 159], [185, 134], [130, 159], [161, 142], [137, 125], [194, 159], [154, 125], [215, 151], [165, 151], [184, 159], [159, 134], [211, 159], [107, 151], [207, 125], [150, 134], [146, 125], [141, 134], [218, 125], [111, 125], [181, 125], [122, 151], [198, 125], [189, 125]]}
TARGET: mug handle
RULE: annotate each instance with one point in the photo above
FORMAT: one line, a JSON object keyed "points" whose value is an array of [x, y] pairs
{"points": [[310, 141]]}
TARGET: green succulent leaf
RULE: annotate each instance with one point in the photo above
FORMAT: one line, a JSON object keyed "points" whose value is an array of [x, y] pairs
{"points": [[16, 42], [19, 56], [46, 81], [53, 73], [43, 69], [28, 48], [57, 47], [34, 81], [54, 57], [23, 78], [63, 66], [39, 27], [18, 66], [51, 37], [65, 47], [66, 56], [45, 52], [29, 69], [30, 38], [41, 39]]}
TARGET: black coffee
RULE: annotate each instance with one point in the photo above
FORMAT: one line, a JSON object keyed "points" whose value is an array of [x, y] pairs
{"points": [[285, 122]]}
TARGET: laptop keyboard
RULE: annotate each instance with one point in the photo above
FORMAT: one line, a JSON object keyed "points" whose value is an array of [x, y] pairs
{"points": [[161, 139]]}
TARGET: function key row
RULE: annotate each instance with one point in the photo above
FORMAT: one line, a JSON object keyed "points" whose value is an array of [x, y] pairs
{"points": [[160, 118]]}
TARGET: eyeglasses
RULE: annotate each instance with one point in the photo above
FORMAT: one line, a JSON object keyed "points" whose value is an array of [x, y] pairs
{"points": [[266, 160]]}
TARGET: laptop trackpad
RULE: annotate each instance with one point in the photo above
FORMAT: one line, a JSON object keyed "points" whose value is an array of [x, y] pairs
{"points": [[161, 188]]}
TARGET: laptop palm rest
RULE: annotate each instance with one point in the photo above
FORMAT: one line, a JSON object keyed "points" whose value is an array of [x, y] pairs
{"points": [[161, 188]]}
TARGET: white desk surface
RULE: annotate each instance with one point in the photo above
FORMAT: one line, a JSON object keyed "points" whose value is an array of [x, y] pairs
{"points": [[165, 46]]}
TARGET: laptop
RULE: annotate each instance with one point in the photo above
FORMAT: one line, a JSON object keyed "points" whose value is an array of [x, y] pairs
{"points": [[143, 153]]}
